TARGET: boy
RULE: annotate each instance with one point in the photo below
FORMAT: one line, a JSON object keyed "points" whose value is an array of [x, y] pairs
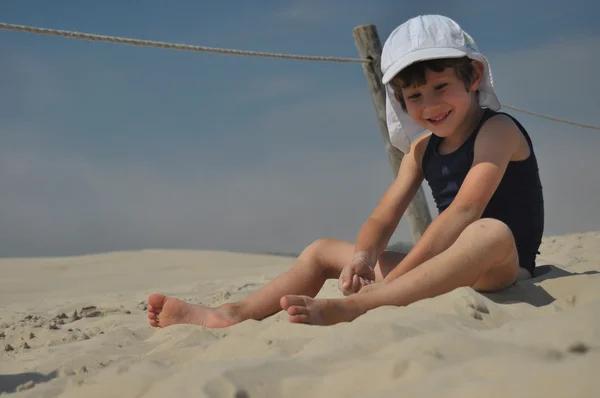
{"points": [[480, 166]]}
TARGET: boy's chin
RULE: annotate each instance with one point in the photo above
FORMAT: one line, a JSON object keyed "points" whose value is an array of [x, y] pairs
{"points": [[443, 130], [440, 132]]}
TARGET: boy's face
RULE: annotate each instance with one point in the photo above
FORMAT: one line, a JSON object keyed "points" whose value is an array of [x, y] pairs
{"points": [[443, 103]]}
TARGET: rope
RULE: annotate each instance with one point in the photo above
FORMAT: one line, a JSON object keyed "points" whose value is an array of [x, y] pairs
{"points": [[172, 46], [587, 126]]}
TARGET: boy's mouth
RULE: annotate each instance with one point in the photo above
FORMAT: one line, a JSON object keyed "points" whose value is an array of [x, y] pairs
{"points": [[439, 118]]}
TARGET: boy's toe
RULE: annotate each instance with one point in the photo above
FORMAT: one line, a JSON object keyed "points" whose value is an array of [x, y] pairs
{"points": [[296, 310], [291, 300], [299, 319]]}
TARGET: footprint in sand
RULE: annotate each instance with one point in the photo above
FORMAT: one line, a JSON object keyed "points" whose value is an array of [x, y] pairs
{"points": [[220, 297], [566, 302], [476, 306], [578, 347]]}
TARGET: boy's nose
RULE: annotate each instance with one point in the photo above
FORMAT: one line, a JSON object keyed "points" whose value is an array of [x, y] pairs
{"points": [[431, 109], [430, 102]]}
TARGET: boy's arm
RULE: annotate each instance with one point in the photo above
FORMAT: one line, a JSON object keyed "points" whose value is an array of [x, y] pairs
{"points": [[376, 232], [495, 145]]}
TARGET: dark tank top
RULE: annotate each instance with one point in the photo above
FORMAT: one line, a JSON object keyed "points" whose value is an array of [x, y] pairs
{"points": [[518, 200]]}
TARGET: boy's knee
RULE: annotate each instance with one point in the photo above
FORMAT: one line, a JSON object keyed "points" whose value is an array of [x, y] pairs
{"points": [[497, 240], [326, 256], [492, 234], [490, 228], [314, 250]]}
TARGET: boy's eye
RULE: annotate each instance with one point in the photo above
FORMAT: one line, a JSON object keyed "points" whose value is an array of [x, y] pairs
{"points": [[414, 96], [441, 86]]}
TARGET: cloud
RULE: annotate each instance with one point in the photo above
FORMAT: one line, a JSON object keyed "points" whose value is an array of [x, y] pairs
{"points": [[301, 169], [557, 78], [315, 11], [320, 174], [38, 94], [272, 87], [56, 203], [303, 10]]}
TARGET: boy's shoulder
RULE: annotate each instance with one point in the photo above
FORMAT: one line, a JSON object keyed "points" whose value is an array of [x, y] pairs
{"points": [[418, 147], [498, 133], [501, 133]]}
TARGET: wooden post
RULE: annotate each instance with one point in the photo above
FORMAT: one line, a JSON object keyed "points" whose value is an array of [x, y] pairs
{"points": [[369, 47]]}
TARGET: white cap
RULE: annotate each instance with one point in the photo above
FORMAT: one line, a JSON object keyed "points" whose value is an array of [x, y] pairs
{"points": [[418, 39]]}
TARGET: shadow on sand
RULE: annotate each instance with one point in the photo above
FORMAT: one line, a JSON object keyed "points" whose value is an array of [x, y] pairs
{"points": [[528, 291], [9, 383], [544, 272]]}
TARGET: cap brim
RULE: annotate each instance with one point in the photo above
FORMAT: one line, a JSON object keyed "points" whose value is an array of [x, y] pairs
{"points": [[420, 55]]}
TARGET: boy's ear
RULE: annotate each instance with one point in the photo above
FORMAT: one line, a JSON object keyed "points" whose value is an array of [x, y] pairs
{"points": [[397, 96], [478, 70]]}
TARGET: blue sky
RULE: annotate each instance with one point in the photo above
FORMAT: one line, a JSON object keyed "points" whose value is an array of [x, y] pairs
{"points": [[111, 147]]}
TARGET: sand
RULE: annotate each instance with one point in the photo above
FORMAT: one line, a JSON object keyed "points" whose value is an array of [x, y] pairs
{"points": [[77, 327]]}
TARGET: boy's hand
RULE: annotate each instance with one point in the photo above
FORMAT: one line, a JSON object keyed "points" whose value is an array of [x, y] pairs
{"points": [[355, 275]]}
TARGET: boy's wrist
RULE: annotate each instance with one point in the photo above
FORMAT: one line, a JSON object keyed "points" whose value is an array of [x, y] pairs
{"points": [[364, 257]]}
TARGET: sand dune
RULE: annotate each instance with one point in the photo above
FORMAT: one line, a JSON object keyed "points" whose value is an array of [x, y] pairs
{"points": [[77, 327]]}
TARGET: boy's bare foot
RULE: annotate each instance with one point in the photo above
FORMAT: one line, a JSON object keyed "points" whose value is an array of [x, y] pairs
{"points": [[303, 309], [165, 311]]}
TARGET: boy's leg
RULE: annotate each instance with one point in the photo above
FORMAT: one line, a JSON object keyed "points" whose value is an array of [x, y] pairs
{"points": [[324, 259], [483, 257]]}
